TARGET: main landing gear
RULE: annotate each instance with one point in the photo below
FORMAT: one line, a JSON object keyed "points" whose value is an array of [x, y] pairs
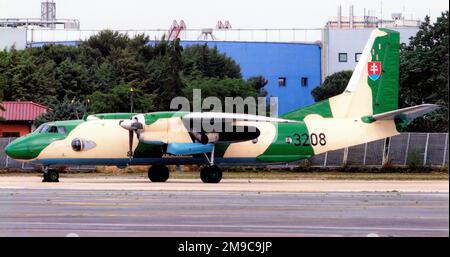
{"points": [[211, 173], [50, 175], [158, 173], [208, 174]]}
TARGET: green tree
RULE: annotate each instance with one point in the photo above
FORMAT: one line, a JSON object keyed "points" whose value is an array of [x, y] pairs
{"points": [[334, 84], [259, 82], [424, 74], [118, 100], [202, 61], [63, 110], [105, 66]]}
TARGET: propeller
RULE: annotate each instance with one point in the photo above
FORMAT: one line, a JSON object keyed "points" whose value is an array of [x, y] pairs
{"points": [[133, 126]]}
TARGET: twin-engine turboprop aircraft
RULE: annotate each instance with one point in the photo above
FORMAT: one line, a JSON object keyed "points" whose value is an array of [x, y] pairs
{"points": [[364, 112]]}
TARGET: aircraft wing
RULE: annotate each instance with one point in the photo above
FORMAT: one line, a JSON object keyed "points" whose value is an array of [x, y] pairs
{"points": [[231, 116]]}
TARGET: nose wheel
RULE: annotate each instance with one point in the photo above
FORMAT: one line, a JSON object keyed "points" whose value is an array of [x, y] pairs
{"points": [[158, 173], [211, 174], [51, 175]]}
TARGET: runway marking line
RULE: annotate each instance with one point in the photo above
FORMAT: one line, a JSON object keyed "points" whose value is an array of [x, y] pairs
{"points": [[225, 226]]}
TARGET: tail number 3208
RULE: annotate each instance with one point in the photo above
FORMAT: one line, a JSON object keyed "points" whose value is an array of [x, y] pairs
{"points": [[306, 140]]}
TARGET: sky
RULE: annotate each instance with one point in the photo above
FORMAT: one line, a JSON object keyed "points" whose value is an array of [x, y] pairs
{"points": [[150, 14]]}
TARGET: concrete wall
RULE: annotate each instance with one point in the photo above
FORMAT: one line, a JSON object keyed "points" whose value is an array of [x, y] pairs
{"points": [[13, 36], [351, 41]]}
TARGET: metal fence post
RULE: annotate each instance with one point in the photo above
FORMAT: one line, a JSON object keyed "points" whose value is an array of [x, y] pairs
{"points": [[7, 157], [383, 156], [445, 150], [365, 154], [344, 159], [407, 149], [388, 151], [325, 160], [426, 150]]}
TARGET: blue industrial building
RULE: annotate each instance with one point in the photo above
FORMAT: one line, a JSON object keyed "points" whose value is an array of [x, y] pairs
{"points": [[292, 69]]}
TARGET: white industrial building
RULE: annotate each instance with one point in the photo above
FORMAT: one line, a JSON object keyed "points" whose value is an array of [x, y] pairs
{"points": [[10, 37], [344, 37]]}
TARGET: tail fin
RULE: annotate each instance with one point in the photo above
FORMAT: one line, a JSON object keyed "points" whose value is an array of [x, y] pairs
{"points": [[373, 87]]}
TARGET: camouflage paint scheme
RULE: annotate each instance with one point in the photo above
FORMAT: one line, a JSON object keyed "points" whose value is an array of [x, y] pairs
{"points": [[341, 121]]}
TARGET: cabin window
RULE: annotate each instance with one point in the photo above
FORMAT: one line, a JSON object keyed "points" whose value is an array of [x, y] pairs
{"points": [[342, 57], [282, 81]]}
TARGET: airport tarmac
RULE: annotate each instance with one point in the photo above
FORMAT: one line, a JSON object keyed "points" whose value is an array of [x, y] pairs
{"points": [[122, 206]]}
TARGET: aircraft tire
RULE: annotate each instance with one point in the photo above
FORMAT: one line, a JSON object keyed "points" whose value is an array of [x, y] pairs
{"points": [[158, 173], [211, 174], [51, 176]]}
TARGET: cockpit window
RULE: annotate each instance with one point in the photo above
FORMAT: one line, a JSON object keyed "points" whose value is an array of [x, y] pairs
{"points": [[42, 128], [38, 128], [51, 129], [61, 130]]}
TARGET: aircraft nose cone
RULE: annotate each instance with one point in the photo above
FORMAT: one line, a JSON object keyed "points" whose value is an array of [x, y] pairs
{"points": [[11, 151], [18, 150]]}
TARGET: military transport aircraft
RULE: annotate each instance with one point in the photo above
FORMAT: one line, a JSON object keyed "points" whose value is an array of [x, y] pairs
{"points": [[364, 112]]}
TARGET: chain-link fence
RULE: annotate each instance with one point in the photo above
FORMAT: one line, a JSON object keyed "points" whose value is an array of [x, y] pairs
{"points": [[406, 149]]}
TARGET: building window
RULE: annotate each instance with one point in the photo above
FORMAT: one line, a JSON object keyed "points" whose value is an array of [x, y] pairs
{"points": [[282, 81], [10, 134], [304, 81], [357, 56], [342, 57]]}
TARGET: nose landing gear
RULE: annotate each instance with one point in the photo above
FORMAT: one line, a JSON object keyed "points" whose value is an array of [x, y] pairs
{"points": [[50, 175]]}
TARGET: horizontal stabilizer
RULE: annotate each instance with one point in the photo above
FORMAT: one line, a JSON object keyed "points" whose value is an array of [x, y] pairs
{"points": [[410, 112]]}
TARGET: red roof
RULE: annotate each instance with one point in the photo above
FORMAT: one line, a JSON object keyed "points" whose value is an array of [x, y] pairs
{"points": [[21, 110]]}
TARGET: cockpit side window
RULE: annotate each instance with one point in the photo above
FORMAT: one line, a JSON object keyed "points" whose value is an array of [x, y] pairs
{"points": [[52, 129], [38, 130], [42, 129], [61, 130]]}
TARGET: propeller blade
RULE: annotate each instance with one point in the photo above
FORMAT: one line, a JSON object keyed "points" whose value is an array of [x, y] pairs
{"points": [[131, 124]]}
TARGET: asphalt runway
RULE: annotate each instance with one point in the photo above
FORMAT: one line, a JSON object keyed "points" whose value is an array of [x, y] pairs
{"points": [[65, 209]]}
